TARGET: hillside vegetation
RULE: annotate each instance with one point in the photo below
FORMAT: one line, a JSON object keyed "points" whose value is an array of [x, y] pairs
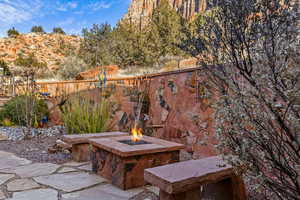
{"points": [[46, 48]]}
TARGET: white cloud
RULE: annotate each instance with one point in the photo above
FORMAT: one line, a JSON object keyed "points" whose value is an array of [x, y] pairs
{"points": [[17, 11], [67, 6], [99, 5], [68, 21]]}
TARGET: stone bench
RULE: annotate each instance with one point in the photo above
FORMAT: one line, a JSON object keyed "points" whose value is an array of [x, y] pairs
{"points": [[208, 178], [80, 143]]}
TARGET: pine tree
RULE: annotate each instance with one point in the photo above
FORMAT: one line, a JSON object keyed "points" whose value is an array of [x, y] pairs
{"points": [[96, 46], [127, 43], [58, 30], [37, 29], [12, 32], [166, 29]]}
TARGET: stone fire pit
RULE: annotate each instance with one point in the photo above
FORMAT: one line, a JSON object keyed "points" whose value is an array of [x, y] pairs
{"points": [[122, 161]]}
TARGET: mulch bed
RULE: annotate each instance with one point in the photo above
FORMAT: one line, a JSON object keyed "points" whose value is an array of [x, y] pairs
{"points": [[36, 149]]}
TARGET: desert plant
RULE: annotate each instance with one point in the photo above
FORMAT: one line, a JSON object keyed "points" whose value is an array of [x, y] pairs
{"points": [[58, 30], [37, 29], [81, 115], [7, 122], [71, 66], [12, 32], [30, 63], [17, 111], [5, 68], [254, 46]]}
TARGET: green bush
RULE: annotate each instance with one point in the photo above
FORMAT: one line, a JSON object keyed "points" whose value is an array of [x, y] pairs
{"points": [[70, 67], [12, 32], [5, 68], [37, 29], [82, 115], [23, 109], [58, 30]]}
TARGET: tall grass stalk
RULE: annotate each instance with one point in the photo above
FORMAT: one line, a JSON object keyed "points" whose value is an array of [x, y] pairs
{"points": [[82, 116]]}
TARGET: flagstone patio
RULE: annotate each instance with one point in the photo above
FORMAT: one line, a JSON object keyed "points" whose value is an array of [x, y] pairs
{"points": [[20, 179]]}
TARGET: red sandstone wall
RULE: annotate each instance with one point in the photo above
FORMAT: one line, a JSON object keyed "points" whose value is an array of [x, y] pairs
{"points": [[187, 117], [180, 103]]}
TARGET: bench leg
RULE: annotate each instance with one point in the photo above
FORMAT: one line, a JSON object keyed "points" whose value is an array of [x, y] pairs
{"points": [[188, 195], [239, 188], [81, 152], [228, 189]]}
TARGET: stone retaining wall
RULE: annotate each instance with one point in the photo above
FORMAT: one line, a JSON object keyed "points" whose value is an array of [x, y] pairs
{"points": [[177, 107]]}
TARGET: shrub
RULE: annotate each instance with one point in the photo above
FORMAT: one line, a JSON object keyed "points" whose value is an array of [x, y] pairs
{"points": [[30, 61], [81, 115], [37, 29], [58, 30], [71, 66], [7, 122], [23, 109], [5, 68], [12, 32]]}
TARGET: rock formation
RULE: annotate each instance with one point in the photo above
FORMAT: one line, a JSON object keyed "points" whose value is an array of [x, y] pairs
{"points": [[48, 48], [140, 10]]}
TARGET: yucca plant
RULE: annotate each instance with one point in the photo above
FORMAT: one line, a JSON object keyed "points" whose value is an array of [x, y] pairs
{"points": [[82, 116]]}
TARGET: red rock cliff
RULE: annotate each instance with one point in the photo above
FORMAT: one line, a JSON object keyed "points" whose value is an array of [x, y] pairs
{"points": [[140, 10]]}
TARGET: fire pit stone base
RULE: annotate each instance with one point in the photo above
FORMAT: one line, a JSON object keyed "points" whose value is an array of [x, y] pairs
{"points": [[124, 164], [128, 172]]}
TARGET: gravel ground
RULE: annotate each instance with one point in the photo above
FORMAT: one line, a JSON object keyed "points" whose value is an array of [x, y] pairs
{"points": [[36, 149], [18, 133]]}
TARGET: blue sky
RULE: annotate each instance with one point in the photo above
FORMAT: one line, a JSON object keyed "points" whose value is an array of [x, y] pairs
{"points": [[71, 15]]}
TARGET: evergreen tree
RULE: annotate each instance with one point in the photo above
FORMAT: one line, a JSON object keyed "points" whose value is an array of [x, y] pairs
{"points": [[95, 48], [58, 30], [128, 48], [12, 32], [37, 29], [166, 29]]}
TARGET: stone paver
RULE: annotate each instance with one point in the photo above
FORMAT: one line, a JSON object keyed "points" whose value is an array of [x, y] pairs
{"points": [[33, 170], [70, 182], [5, 177], [22, 184], [86, 167], [2, 196], [9, 160], [71, 177], [67, 169], [103, 192], [41, 194], [154, 189], [75, 164]]}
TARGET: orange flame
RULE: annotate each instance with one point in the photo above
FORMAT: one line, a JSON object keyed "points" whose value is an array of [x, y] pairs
{"points": [[136, 134]]}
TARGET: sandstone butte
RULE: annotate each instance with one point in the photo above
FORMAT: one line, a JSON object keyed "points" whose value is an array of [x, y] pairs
{"points": [[140, 10], [48, 48]]}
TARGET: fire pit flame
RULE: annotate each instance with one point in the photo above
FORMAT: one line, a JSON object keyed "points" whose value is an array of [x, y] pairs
{"points": [[136, 134]]}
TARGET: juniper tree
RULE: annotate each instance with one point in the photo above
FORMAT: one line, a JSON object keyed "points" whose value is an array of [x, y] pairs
{"points": [[95, 49], [37, 29], [58, 30], [12, 32]]}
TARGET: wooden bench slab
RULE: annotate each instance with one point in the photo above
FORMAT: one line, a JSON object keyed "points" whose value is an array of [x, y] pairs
{"points": [[186, 177]]}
